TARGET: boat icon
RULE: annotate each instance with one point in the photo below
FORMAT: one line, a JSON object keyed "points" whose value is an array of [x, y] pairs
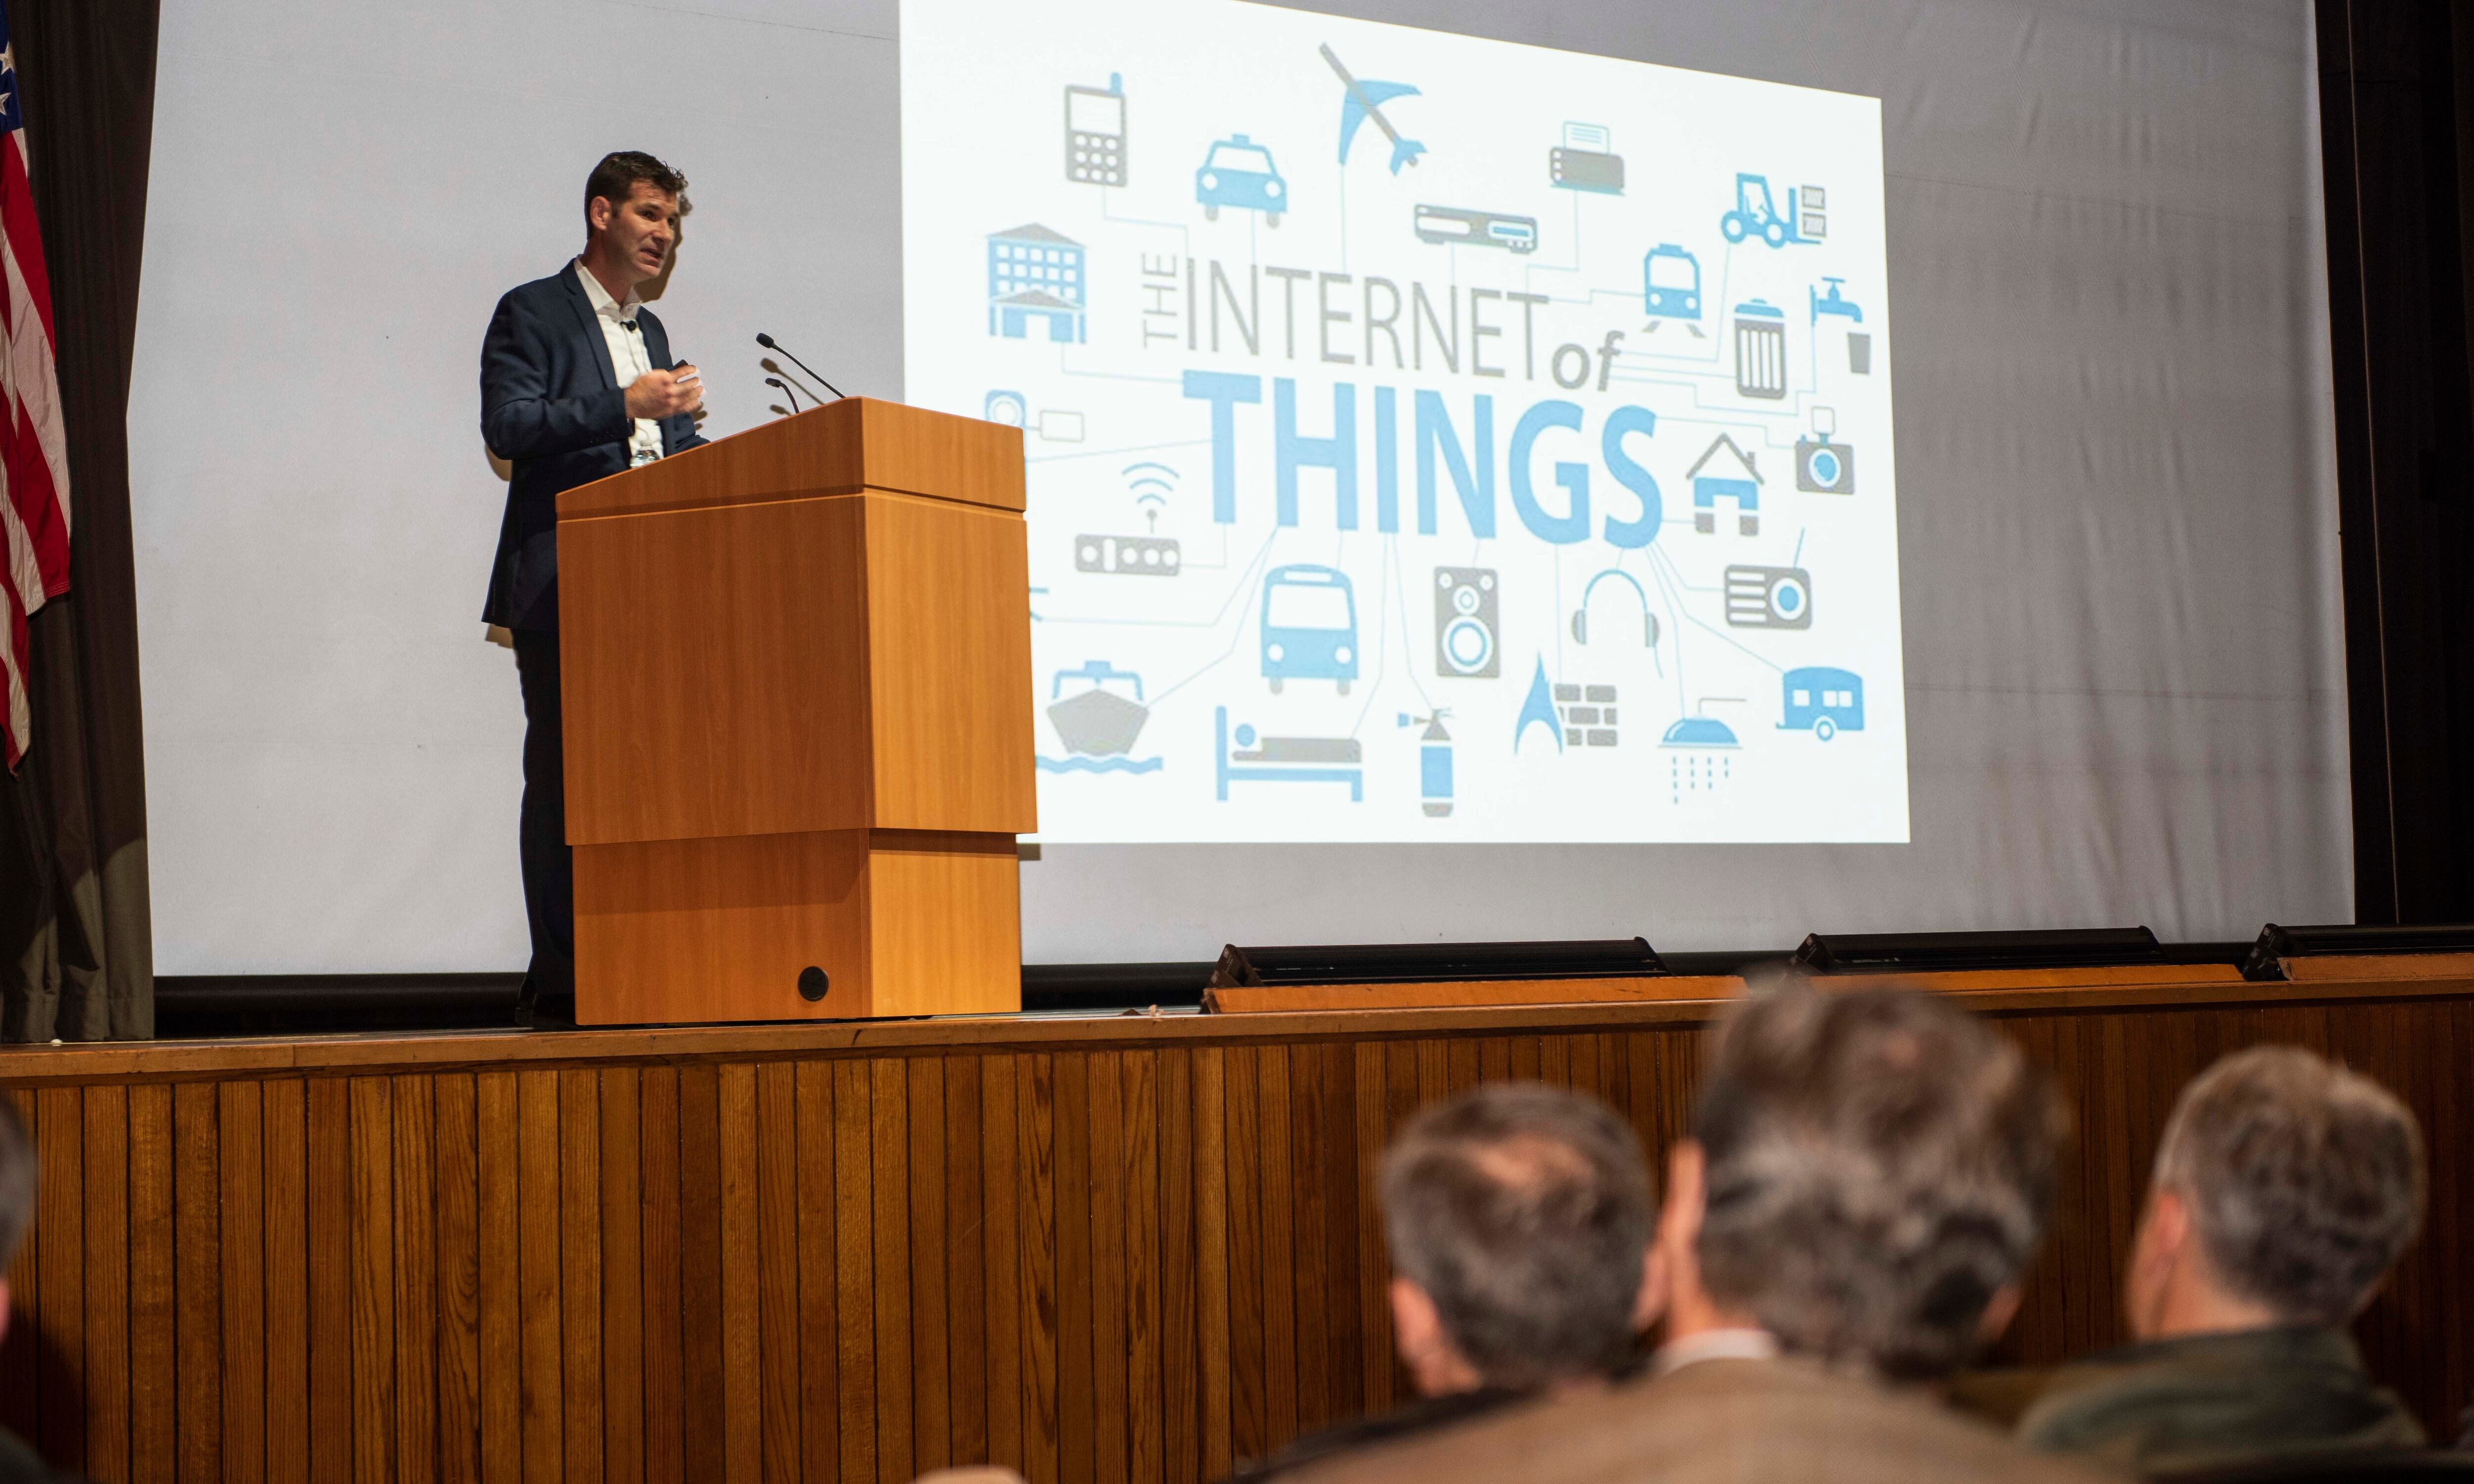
{"points": [[1097, 724]]}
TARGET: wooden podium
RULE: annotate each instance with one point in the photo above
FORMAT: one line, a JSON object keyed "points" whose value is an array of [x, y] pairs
{"points": [[797, 687]]}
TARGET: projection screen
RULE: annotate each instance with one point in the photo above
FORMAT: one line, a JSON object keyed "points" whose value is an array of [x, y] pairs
{"points": [[1468, 498]]}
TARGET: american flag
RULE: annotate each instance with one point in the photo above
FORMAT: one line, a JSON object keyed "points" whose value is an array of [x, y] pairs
{"points": [[34, 454]]}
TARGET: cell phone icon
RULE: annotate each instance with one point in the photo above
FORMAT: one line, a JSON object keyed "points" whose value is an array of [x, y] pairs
{"points": [[1095, 133]]}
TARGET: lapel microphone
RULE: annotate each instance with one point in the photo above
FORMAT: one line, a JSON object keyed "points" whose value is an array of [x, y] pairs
{"points": [[770, 344]]}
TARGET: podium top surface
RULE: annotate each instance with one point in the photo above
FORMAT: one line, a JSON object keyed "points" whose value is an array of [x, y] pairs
{"points": [[856, 443]]}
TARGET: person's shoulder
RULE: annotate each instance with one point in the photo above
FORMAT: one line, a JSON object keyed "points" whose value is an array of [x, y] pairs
{"points": [[539, 293]]}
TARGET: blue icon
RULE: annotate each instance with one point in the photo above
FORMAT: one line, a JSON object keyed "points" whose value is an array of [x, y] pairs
{"points": [[1733, 477], [1822, 700], [1538, 710], [1309, 626], [1756, 215], [1670, 284], [1034, 272], [1700, 755], [1363, 101], [1097, 724], [1434, 763], [1586, 161], [1833, 302], [1581, 614], [1151, 484], [1284, 759], [1004, 409], [1239, 173], [1699, 732]]}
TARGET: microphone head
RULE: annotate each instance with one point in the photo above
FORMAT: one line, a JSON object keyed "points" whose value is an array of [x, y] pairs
{"points": [[765, 340], [775, 381]]}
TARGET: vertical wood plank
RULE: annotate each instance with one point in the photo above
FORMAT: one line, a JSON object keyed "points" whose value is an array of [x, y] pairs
{"points": [[499, 1191], [455, 1111], [1145, 1401], [932, 1426], [1248, 1342], [60, 1212], [1075, 1453], [965, 1260], [1212, 1183], [1106, 1180], [415, 1222], [579, 1271], [819, 1277], [372, 1279], [541, 1407], [998, 1165], [658, 1139], [197, 1259], [742, 1375], [1374, 1257], [1036, 1195], [284, 1111], [106, 1178], [20, 1374], [154, 1297], [243, 1167], [1344, 1216], [623, 1276], [889, 1150], [1309, 1210], [777, 1266], [855, 1268], [1277, 1204], [700, 1331], [1180, 1343]]}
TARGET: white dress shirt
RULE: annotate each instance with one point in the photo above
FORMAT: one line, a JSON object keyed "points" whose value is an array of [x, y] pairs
{"points": [[1713, 1344], [628, 357]]}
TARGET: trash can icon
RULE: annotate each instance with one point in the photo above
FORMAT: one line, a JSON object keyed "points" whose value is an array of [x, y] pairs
{"points": [[1761, 350]]}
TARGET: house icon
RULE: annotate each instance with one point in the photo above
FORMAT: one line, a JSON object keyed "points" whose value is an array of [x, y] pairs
{"points": [[1737, 478], [1036, 272]]}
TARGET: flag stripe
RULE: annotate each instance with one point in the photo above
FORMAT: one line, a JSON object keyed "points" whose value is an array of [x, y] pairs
{"points": [[34, 448]]}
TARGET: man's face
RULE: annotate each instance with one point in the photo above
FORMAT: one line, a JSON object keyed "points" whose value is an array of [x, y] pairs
{"points": [[638, 231]]}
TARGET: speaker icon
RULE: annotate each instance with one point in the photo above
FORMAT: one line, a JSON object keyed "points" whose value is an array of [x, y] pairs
{"points": [[1467, 627]]}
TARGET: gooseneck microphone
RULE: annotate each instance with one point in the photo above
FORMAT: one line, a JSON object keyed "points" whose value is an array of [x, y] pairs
{"points": [[770, 344], [776, 381]]}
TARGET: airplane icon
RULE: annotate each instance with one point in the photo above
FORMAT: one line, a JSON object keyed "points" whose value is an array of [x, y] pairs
{"points": [[1363, 101]]}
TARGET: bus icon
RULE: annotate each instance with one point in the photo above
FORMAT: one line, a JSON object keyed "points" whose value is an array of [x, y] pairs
{"points": [[1309, 626], [1824, 702], [1670, 283]]}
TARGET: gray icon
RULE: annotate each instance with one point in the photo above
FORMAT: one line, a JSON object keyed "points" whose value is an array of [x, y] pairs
{"points": [[1454, 226], [1824, 465], [1769, 597], [1095, 133], [1761, 350], [1126, 556], [1640, 598], [1736, 477], [1588, 714], [1466, 630], [1586, 162]]}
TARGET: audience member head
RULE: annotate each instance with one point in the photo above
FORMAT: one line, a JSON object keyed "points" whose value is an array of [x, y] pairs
{"points": [[2285, 1187], [1867, 1174], [1519, 1218], [16, 1195]]}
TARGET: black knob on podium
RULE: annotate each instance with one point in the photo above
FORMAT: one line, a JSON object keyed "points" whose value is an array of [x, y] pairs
{"points": [[812, 983]]}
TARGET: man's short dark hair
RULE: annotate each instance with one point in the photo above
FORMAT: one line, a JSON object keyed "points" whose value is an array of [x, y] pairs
{"points": [[1879, 1164], [619, 172], [1523, 1212], [2304, 1180], [17, 1183]]}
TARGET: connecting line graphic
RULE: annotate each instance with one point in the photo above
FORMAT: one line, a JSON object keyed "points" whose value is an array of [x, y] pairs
{"points": [[1721, 635], [1213, 622], [1382, 651], [1675, 623], [1245, 590], [1111, 453]]}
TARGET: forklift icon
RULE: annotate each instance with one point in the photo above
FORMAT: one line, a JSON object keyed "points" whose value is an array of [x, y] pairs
{"points": [[1756, 214]]}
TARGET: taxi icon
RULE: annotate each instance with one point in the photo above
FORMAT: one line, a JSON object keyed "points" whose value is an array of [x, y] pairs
{"points": [[1239, 173]]}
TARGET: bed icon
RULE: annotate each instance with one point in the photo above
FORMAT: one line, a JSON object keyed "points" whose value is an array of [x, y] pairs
{"points": [[1284, 759]]}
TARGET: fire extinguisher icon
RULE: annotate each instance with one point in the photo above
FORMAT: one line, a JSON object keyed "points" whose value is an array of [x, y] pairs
{"points": [[1433, 762]]}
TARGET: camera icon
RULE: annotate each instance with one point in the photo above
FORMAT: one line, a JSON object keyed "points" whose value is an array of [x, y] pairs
{"points": [[1824, 465]]}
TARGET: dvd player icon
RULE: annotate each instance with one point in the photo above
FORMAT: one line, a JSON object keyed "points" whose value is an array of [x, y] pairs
{"points": [[1466, 608]]}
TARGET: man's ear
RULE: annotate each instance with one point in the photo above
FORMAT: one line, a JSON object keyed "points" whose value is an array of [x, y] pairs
{"points": [[2002, 1308], [1657, 1287], [1415, 1325], [2157, 1247], [597, 213], [4, 1309], [1678, 1219]]}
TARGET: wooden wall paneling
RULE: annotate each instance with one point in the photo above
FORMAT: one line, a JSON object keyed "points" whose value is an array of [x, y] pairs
{"points": [[1277, 1209], [1461, 1063], [1308, 1205], [497, 1186], [1037, 1198], [578, 1201], [59, 1213], [890, 1158], [457, 1244], [1145, 1403], [20, 1367], [621, 1200], [743, 1405], [1180, 1426], [105, 1140], [1525, 1056], [1248, 1342], [154, 1297], [372, 1146], [283, 1123], [701, 1401], [855, 1268], [1212, 1305], [541, 1377], [1374, 1259], [932, 1426], [1554, 1063], [819, 1333], [242, 1137], [1345, 1214], [1070, 1118], [197, 1272], [777, 1267], [999, 1186], [1493, 1059], [663, 1400], [966, 1315], [415, 1225], [1104, 1222]]}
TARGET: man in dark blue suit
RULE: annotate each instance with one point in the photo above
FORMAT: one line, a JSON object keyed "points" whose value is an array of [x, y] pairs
{"points": [[577, 384]]}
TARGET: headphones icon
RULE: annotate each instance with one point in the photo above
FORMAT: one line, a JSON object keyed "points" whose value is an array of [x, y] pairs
{"points": [[1581, 614]]}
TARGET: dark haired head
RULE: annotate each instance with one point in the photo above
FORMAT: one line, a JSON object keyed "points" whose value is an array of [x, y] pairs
{"points": [[622, 171]]}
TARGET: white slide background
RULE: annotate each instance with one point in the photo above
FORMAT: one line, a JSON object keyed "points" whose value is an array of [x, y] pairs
{"points": [[2117, 547]]}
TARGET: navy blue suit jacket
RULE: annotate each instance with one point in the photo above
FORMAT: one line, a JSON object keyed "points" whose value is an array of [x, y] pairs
{"points": [[551, 405]]}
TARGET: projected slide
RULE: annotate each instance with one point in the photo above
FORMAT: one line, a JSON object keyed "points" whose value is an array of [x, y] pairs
{"points": [[1430, 438]]}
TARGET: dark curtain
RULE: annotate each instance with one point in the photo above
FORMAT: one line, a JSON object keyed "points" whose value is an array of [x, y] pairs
{"points": [[76, 948]]}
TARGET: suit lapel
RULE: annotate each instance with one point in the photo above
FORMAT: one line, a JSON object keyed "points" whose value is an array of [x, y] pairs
{"points": [[590, 324]]}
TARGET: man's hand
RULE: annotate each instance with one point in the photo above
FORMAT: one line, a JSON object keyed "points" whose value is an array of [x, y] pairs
{"points": [[665, 393]]}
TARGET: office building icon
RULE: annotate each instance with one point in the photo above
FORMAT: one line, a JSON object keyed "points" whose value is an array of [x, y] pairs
{"points": [[1035, 274]]}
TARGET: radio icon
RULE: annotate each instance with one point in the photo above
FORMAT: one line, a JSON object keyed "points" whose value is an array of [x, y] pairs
{"points": [[1769, 597]]}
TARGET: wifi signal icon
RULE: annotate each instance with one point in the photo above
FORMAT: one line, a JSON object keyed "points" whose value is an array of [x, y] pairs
{"points": [[1151, 484]]}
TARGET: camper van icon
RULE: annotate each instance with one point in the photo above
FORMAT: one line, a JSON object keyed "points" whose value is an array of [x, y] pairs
{"points": [[1822, 700]]}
